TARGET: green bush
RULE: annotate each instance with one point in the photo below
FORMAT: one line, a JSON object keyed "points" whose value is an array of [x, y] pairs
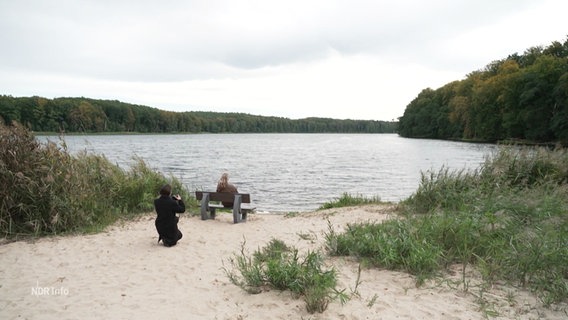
{"points": [[509, 218], [393, 244], [281, 267], [46, 190], [527, 167]]}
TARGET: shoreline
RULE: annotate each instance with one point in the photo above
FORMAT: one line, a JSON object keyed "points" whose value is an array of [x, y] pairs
{"points": [[123, 273]]}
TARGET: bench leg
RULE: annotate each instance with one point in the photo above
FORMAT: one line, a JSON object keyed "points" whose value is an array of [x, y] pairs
{"points": [[236, 215], [204, 205], [212, 210], [237, 209]]}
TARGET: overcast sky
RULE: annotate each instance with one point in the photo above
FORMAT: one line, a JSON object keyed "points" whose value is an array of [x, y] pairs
{"points": [[294, 58]]}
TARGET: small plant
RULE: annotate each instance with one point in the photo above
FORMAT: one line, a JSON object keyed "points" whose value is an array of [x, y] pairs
{"points": [[372, 300], [251, 275], [358, 281], [307, 236], [511, 298], [281, 267], [291, 214]]}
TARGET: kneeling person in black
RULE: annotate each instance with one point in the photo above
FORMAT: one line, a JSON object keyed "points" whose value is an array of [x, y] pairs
{"points": [[166, 222]]}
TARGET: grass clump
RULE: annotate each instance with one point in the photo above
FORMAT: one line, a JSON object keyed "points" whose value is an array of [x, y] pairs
{"points": [[509, 219], [46, 190], [348, 200], [281, 267], [394, 245]]}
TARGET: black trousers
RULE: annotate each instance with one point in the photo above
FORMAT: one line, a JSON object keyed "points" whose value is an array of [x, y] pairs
{"points": [[169, 242], [169, 234]]}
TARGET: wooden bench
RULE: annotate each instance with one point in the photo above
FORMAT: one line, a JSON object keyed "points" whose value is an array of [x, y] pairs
{"points": [[208, 209]]}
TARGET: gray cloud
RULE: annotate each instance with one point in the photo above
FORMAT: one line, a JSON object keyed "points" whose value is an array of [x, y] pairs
{"points": [[182, 40], [288, 58]]}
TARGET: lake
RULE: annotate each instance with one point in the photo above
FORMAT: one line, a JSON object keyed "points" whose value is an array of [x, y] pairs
{"points": [[290, 172]]}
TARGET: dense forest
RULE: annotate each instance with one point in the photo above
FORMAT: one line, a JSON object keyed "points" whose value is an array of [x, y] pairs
{"points": [[90, 115], [521, 98]]}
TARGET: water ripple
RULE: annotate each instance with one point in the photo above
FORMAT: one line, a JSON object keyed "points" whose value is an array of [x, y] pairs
{"points": [[290, 172]]}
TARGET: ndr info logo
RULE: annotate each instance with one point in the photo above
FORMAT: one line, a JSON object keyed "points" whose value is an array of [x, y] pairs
{"points": [[49, 291]]}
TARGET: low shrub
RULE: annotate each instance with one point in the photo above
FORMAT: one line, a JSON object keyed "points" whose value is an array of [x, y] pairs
{"points": [[281, 267], [393, 244]]}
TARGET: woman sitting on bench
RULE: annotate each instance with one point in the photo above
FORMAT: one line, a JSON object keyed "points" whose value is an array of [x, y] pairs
{"points": [[224, 186]]}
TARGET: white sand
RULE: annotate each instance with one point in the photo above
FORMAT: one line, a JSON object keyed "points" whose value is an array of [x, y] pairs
{"points": [[123, 274]]}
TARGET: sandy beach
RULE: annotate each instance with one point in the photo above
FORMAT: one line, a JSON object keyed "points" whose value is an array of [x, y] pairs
{"points": [[123, 273]]}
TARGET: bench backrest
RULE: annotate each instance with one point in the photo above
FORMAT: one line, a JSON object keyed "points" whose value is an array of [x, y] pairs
{"points": [[223, 196]]}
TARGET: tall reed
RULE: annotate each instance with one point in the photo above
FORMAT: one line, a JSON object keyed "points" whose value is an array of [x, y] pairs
{"points": [[46, 190]]}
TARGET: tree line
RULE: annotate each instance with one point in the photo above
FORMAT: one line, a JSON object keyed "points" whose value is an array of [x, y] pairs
{"points": [[523, 97], [92, 116]]}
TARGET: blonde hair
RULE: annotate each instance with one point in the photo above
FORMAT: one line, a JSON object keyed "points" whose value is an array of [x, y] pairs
{"points": [[224, 181]]}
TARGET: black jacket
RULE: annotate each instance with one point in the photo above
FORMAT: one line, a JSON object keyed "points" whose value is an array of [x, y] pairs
{"points": [[166, 221]]}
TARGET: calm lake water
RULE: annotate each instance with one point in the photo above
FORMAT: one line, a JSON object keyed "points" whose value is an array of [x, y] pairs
{"points": [[290, 172]]}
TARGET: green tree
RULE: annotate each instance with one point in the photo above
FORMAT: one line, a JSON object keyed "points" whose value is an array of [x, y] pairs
{"points": [[521, 97], [87, 118]]}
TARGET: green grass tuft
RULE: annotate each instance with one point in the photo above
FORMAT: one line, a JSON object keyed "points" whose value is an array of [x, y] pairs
{"points": [[281, 267], [348, 200]]}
